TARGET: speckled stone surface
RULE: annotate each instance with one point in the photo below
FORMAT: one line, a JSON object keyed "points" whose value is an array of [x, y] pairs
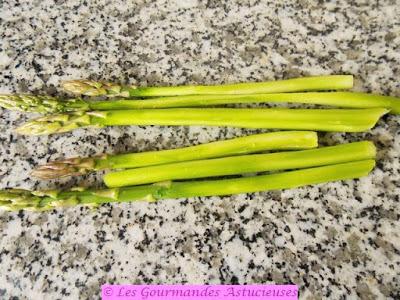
{"points": [[338, 240]]}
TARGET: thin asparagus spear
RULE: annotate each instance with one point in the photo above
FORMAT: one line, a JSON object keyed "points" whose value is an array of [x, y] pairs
{"points": [[242, 164], [285, 140], [315, 83], [47, 104], [346, 120], [39, 201], [338, 99]]}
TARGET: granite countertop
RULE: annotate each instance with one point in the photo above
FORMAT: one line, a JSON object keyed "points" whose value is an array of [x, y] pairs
{"points": [[338, 240]]}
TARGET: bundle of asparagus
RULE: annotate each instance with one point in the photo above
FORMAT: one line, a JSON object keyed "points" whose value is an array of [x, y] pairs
{"points": [[38, 201], [286, 140], [171, 107], [316, 166], [242, 164]]}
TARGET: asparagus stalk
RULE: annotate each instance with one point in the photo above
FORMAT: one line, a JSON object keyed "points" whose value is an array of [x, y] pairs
{"points": [[47, 104], [338, 99], [286, 140], [346, 120], [39, 201], [321, 83], [242, 164]]}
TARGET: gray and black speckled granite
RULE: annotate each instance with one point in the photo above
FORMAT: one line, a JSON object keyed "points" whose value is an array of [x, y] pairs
{"points": [[338, 240]]}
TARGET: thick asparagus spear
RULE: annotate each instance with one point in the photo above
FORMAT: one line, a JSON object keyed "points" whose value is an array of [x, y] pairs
{"points": [[315, 83], [47, 104], [285, 140], [242, 164], [22, 199], [346, 120]]}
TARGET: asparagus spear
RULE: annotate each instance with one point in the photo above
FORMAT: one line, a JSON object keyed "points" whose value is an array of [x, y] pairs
{"points": [[242, 164], [47, 104], [38, 201], [347, 120], [338, 99], [321, 83], [285, 140]]}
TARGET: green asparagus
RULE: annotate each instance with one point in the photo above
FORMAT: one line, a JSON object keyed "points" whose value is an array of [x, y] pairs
{"points": [[285, 140], [38, 201], [345, 120], [47, 104], [315, 83], [242, 164]]}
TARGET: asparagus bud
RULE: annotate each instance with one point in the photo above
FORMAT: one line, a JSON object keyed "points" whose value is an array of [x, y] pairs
{"points": [[55, 124], [67, 167], [16, 199], [96, 88], [41, 104]]}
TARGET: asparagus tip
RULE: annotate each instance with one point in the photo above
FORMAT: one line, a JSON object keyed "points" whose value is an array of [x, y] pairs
{"points": [[17, 199], [37, 127], [55, 124], [29, 103], [63, 168], [41, 104], [95, 88]]}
